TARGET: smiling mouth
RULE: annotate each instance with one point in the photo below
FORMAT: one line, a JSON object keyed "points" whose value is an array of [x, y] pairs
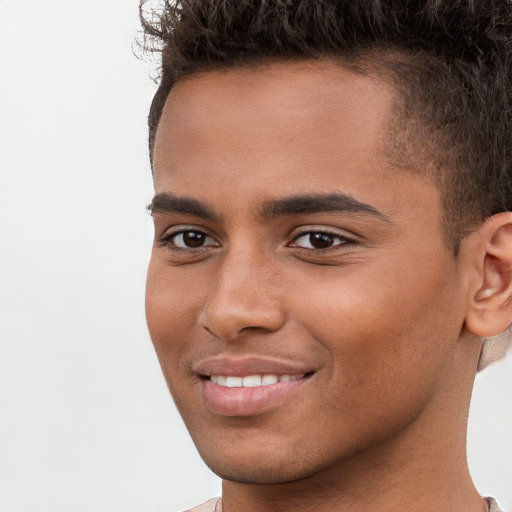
{"points": [[249, 395], [252, 381]]}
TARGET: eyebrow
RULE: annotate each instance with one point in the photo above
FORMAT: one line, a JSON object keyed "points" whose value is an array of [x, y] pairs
{"points": [[307, 204], [166, 202], [318, 203]]}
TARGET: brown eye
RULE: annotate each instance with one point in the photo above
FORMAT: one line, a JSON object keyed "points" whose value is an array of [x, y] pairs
{"points": [[192, 240], [321, 240], [318, 240]]}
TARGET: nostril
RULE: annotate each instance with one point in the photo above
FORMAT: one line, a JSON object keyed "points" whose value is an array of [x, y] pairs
{"points": [[226, 317]]}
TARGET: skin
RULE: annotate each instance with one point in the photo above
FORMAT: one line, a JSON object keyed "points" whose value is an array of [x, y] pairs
{"points": [[379, 318]]}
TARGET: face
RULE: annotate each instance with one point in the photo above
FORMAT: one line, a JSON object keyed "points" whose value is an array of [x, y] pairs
{"points": [[303, 305]]}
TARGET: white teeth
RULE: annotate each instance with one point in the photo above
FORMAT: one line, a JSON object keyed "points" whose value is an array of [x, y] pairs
{"points": [[233, 382], [252, 381], [268, 380], [290, 378]]}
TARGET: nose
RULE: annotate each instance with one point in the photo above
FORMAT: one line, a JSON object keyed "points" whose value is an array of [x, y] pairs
{"points": [[245, 296]]}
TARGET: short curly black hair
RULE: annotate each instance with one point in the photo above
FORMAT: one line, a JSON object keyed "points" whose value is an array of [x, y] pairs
{"points": [[450, 61]]}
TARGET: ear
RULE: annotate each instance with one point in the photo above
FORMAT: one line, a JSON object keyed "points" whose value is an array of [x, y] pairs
{"points": [[490, 302]]}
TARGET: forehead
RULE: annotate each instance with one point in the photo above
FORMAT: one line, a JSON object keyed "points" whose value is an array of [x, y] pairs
{"points": [[301, 88], [307, 126], [293, 100]]}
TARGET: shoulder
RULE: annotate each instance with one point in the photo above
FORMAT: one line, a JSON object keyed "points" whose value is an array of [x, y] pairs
{"points": [[212, 505]]}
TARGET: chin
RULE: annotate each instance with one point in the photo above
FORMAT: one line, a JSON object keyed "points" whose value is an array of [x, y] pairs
{"points": [[260, 473], [260, 463]]}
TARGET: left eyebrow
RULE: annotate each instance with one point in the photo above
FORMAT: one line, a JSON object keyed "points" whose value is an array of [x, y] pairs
{"points": [[166, 202], [319, 203]]}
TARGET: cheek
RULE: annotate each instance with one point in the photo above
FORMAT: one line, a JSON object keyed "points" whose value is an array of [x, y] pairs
{"points": [[173, 302], [388, 350], [172, 306], [398, 326]]}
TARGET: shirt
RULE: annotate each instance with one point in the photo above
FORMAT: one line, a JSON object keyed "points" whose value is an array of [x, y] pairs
{"points": [[215, 505]]}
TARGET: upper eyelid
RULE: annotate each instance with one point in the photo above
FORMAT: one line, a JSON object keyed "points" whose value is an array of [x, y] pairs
{"points": [[183, 228], [326, 231], [344, 240], [166, 239], [306, 230]]}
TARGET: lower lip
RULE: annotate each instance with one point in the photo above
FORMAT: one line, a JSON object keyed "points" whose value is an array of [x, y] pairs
{"points": [[247, 401]]}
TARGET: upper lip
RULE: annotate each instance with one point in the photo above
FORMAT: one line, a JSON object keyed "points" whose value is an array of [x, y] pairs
{"points": [[242, 367]]}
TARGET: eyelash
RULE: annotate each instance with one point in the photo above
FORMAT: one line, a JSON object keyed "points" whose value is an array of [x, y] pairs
{"points": [[343, 241], [168, 241]]}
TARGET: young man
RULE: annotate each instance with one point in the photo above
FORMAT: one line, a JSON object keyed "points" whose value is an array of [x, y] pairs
{"points": [[333, 243]]}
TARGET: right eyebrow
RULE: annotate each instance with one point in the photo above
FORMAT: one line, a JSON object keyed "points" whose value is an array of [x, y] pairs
{"points": [[166, 202], [313, 203]]}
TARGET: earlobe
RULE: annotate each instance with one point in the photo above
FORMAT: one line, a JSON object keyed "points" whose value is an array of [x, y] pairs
{"points": [[490, 308]]}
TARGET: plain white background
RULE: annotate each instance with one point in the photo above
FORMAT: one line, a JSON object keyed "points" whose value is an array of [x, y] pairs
{"points": [[86, 423]]}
